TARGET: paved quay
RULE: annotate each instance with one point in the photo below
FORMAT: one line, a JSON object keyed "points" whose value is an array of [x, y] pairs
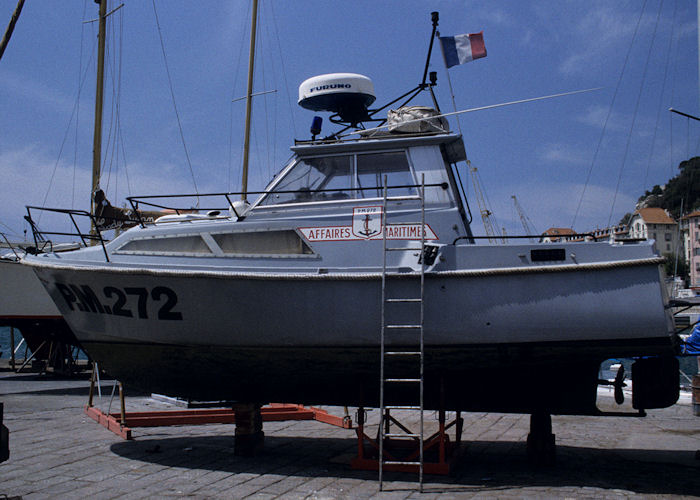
{"points": [[58, 452]]}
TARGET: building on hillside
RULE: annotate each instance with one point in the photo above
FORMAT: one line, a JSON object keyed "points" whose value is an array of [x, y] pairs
{"points": [[618, 233], [690, 225], [554, 234], [655, 224]]}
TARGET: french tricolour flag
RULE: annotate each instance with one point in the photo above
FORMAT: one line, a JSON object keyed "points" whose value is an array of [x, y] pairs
{"points": [[460, 49]]}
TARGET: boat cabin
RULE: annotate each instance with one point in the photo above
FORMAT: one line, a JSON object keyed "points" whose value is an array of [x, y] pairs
{"points": [[330, 192]]}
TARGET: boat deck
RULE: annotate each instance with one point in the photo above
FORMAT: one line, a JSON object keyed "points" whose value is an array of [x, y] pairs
{"points": [[57, 451]]}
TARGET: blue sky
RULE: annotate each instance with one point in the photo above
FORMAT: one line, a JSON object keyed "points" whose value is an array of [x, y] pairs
{"points": [[541, 152]]}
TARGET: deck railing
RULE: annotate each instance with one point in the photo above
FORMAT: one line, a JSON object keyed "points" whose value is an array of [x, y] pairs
{"points": [[44, 243], [42, 239], [137, 202]]}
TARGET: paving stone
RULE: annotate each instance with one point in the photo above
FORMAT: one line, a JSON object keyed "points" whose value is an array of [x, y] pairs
{"points": [[56, 451]]}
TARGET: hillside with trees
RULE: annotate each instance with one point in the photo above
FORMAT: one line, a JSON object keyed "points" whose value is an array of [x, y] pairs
{"points": [[682, 190]]}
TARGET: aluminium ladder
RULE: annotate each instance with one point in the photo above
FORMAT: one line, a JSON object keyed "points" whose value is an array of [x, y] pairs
{"points": [[411, 349]]}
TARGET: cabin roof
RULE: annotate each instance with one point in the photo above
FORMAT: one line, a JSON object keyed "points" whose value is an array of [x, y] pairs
{"points": [[453, 142]]}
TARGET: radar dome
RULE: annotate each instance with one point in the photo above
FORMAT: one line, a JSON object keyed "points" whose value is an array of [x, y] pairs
{"points": [[347, 94]]}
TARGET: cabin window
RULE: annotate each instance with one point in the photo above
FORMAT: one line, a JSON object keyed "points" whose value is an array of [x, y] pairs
{"points": [[262, 242], [315, 179], [371, 169], [343, 177], [173, 245]]}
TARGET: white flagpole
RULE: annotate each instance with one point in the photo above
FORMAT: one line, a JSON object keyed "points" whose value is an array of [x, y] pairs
{"points": [[449, 83]]}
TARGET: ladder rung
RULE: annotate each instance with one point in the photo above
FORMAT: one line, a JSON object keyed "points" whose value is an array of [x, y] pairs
{"points": [[403, 198], [402, 380], [403, 249], [402, 435], [403, 353], [403, 300], [399, 327], [400, 407], [399, 462]]}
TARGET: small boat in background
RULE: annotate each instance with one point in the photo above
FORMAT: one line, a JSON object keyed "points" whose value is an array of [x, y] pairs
{"points": [[25, 305]]}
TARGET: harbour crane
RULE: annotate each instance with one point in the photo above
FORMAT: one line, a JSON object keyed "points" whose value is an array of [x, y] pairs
{"points": [[524, 219], [484, 209]]}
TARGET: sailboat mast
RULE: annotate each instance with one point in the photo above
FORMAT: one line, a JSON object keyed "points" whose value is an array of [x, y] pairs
{"points": [[249, 101], [99, 99]]}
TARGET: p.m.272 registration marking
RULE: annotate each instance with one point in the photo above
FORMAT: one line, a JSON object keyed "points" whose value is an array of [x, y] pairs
{"points": [[130, 302]]}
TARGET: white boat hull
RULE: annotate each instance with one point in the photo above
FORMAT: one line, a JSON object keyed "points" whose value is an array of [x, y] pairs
{"points": [[21, 294], [25, 305], [315, 338]]}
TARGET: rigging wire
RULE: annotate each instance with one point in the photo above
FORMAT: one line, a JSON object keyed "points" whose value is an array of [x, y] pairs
{"points": [[663, 90], [118, 135], [634, 116], [261, 50], [68, 129], [284, 70], [241, 45], [126, 170], [115, 138], [172, 95], [273, 102], [109, 147], [607, 118], [672, 165], [77, 113]]}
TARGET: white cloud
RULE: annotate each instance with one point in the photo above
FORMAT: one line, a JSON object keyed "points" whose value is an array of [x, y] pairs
{"points": [[496, 16], [598, 34], [564, 154], [596, 116], [28, 90], [619, 122]]}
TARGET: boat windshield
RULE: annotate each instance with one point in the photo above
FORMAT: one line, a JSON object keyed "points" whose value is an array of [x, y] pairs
{"points": [[343, 177]]}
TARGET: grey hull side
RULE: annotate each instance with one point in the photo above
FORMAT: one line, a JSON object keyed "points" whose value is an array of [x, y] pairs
{"points": [[315, 340], [324, 311]]}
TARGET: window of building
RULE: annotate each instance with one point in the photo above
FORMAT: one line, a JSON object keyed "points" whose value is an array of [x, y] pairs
{"points": [[667, 236]]}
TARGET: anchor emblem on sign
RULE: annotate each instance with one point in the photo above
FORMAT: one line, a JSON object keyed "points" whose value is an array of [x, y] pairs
{"points": [[367, 222]]}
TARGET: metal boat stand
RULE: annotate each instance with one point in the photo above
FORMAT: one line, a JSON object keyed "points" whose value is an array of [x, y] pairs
{"points": [[440, 453], [60, 358], [541, 446], [248, 437]]}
